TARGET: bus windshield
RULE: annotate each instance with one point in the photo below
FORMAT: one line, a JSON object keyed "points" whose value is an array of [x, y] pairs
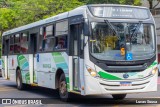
{"points": [[134, 38]]}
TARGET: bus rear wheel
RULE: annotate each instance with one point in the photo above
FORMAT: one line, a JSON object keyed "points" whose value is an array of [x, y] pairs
{"points": [[119, 96], [63, 92], [20, 85]]}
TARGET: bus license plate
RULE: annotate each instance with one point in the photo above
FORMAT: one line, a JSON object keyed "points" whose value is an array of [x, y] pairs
{"points": [[125, 83]]}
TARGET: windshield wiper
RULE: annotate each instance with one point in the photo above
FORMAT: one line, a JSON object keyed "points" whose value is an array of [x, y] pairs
{"points": [[137, 28], [111, 26]]}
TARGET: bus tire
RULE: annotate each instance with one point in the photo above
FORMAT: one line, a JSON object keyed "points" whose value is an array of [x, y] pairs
{"points": [[119, 96], [20, 85], [62, 86]]}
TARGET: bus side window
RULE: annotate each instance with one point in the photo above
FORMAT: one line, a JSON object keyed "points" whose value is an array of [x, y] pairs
{"points": [[17, 43], [49, 38], [61, 35], [61, 42], [40, 44], [49, 44], [4, 45], [46, 38], [11, 47], [24, 42]]}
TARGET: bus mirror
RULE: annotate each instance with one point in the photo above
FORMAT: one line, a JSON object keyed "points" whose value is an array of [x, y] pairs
{"points": [[85, 26]]}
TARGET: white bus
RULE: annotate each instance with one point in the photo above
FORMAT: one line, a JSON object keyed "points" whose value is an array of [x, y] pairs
{"points": [[93, 49]]}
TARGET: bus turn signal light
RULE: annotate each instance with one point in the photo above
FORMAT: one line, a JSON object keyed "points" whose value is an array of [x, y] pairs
{"points": [[92, 72], [154, 70]]}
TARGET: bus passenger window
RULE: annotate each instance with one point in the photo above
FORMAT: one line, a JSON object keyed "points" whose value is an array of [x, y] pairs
{"points": [[49, 43], [46, 38], [11, 49], [61, 42], [17, 43], [11, 44], [40, 37], [24, 42]]}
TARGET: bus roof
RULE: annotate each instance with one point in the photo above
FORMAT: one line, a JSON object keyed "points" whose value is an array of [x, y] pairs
{"points": [[117, 5], [77, 11]]}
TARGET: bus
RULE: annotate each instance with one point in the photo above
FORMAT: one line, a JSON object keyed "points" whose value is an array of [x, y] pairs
{"points": [[91, 50]]}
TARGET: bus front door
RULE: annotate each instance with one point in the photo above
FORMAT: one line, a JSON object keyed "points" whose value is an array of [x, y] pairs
{"points": [[76, 31]]}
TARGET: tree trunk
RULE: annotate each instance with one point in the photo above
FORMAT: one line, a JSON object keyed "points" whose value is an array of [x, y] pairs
{"points": [[150, 4]]}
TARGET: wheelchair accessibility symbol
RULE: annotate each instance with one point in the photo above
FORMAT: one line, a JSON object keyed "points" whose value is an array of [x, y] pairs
{"points": [[129, 56]]}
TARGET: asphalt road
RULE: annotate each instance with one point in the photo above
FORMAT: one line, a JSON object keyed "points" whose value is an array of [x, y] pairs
{"points": [[8, 90]]}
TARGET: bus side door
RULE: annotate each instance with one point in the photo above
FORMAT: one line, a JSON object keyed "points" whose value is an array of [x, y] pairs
{"points": [[33, 74], [75, 50]]}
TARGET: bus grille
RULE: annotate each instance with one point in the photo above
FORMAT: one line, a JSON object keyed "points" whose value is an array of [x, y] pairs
{"points": [[115, 86]]}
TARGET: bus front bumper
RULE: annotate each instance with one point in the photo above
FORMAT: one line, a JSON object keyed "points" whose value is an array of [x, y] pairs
{"points": [[94, 86]]}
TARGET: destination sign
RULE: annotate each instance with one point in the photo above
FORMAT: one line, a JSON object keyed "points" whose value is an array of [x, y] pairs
{"points": [[120, 12]]}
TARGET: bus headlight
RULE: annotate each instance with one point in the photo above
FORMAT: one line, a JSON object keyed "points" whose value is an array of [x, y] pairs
{"points": [[92, 72], [154, 70]]}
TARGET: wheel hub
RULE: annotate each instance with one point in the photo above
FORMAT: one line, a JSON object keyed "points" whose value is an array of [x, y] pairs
{"points": [[18, 82], [63, 88]]}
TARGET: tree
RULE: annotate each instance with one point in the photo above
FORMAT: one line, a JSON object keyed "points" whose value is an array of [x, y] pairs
{"points": [[129, 2], [15, 13], [151, 4]]}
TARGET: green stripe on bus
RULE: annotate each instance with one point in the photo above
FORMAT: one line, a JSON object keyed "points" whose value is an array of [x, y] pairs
{"points": [[56, 53], [20, 57], [154, 63], [27, 77], [59, 59], [68, 86], [108, 76], [67, 79]]}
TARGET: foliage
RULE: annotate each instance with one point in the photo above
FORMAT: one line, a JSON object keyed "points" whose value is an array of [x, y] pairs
{"points": [[14, 13], [151, 6], [128, 2]]}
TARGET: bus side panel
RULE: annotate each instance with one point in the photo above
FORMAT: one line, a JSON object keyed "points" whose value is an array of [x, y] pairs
{"points": [[47, 65], [4, 67], [12, 65], [23, 63]]}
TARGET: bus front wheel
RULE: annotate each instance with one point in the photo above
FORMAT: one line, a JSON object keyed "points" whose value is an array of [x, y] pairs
{"points": [[63, 92], [118, 96], [20, 85]]}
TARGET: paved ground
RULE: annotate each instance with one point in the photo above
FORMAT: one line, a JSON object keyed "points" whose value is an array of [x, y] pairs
{"points": [[8, 90]]}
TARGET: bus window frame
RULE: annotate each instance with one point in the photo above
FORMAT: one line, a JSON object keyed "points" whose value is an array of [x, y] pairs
{"points": [[38, 42], [26, 32], [61, 22], [9, 37], [11, 44], [62, 35], [54, 25], [4, 49], [17, 43]]}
